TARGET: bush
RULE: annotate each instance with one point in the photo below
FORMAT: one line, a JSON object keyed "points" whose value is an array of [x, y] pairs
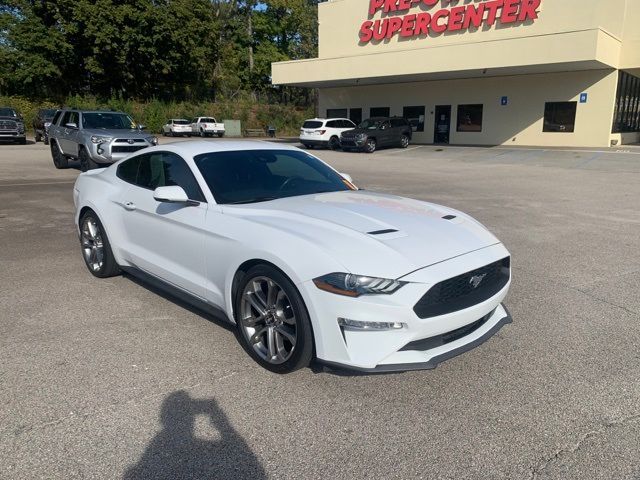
{"points": [[287, 119]]}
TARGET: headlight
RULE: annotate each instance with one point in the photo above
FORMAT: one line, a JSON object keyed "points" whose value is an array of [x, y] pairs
{"points": [[20, 126], [352, 285], [153, 140], [99, 139]]}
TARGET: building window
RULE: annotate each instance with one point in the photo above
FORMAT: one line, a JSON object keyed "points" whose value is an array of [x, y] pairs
{"points": [[627, 108], [336, 113], [355, 115], [560, 117], [379, 111], [415, 117], [470, 118]]}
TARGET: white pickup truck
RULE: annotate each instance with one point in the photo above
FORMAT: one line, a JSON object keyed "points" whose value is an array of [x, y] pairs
{"points": [[205, 126]]}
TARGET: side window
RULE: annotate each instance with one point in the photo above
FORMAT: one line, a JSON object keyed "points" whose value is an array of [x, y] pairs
{"points": [[128, 170], [333, 124], [165, 169], [385, 125], [66, 119], [56, 117]]}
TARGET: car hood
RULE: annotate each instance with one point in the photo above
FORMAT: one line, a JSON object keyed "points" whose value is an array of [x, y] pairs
{"points": [[372, 233], [119, 133], [356, 131]]}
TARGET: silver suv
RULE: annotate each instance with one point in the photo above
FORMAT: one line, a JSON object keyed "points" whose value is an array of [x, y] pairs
{"points": [[95, 138]]}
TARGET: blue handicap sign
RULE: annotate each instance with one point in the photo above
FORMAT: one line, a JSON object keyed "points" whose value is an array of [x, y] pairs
{"points": [[584, 97], [504, 101]]}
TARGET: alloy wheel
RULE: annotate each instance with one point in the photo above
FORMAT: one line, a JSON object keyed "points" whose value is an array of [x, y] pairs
{"points": [[404, 141], [267, 320], [92, 244]]}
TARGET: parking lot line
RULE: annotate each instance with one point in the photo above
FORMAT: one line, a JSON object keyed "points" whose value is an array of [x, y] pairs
{"points": [[34, 183]]}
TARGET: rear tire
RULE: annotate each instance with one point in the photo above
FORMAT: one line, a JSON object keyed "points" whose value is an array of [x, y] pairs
{"points": [[221, 134], [273, 325], [404, 141], [334, 143], [202, 134], [96, 249], [370, 145], [38, 137], [59, 160]]}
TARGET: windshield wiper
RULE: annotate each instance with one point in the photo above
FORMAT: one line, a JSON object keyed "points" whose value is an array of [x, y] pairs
{"points": [[253, 200]]}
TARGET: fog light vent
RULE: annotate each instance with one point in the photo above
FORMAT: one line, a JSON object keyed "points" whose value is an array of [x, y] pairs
{"points": [[362, 325]]}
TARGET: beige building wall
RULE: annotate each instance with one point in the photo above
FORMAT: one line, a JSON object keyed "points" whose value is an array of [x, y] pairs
{"points": [[518, 123]]}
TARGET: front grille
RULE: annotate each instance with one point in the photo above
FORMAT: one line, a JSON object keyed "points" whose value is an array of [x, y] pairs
{"points": [[8, 125], [465, 290], [127, 140], [444, 338], [126, 148]]}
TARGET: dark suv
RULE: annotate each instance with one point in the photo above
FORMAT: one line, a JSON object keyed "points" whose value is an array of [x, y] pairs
{"points": [[12, 126], [41, 124], [377, 132]]}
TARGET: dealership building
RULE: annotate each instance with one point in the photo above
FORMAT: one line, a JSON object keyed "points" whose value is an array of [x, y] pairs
{"points": [[481, 72]]}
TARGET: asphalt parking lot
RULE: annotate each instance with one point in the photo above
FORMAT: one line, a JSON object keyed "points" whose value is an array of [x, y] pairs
{"points": [[110, 379]]}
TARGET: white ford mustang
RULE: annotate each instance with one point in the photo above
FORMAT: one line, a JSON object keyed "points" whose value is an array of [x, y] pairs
{"points": [[302, 261]]}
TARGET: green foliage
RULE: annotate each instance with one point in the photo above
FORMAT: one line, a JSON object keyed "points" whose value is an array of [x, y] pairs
{"points": [[170, 50], [154, 113]]}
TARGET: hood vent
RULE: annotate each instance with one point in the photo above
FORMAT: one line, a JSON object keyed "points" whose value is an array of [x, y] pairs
{"points": [[449, 217], [382, 232]]}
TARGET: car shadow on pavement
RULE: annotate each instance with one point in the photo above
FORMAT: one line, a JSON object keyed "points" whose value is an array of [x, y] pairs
{"points": [[183, 451]]}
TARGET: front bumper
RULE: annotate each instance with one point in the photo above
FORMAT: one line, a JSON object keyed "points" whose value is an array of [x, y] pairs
{"points": [[352, 143], [116, 149], [12, 135], [406, 348]]}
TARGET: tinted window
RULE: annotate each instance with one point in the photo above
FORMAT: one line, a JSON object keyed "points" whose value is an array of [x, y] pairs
{"points": [[208, 120], [312, 124], [336, 112], [108, 120], [470, 118], [560, 117], [398, 122], [415, 116], [334, 124], [56, 117], [128, 170], [181, 122], [70, 117], [370, 124], [8, 112], [355, 115], [166, 169], [259, 175], [379, 112]]}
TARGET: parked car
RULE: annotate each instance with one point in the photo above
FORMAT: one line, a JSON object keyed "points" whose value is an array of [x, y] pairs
{"points": [[177, 127], [12, 126], [324, 132], [206, 126], [95, 138], [300, 260], [41, 124], [378, 132]]}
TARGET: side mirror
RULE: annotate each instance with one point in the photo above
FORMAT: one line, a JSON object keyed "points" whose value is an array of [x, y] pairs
{"points": [[383, 127], [347, 177], [71, 125], [141, 126], [173, 194]]}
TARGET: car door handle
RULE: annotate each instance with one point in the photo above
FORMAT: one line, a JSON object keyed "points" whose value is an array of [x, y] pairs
{"points": [[129, 206]]}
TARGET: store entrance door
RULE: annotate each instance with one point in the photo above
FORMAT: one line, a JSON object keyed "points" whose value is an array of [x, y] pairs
{"points": [[442, 124]]}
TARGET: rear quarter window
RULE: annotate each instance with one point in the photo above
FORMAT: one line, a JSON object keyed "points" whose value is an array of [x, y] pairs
{"points": [[128, 170], [312, 124]]}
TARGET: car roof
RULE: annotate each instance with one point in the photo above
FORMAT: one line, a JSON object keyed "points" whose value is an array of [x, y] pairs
{"points": [[198, 147]]}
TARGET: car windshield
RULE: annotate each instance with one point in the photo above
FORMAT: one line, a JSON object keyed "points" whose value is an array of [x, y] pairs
{"points": [[312, 124], [370, 124], [8, 112], [108, 121], [259, 175], [48, 114], [181, 122], [208, 119]]}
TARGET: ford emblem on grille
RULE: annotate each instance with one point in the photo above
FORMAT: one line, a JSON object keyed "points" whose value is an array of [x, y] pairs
{"points": [[130, 141], [476, 280]]}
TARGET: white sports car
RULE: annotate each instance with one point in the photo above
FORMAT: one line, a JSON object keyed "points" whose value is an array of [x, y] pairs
{"points": [[303, 262]]}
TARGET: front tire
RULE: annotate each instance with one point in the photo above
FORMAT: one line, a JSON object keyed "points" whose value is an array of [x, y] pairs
{"points": [[86, 162], [371, 145], [202, 134], [404, 141], [96, 249], [272, 321]]}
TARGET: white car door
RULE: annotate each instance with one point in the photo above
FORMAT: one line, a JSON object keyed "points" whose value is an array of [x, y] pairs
{"points": [[166, 239]]}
